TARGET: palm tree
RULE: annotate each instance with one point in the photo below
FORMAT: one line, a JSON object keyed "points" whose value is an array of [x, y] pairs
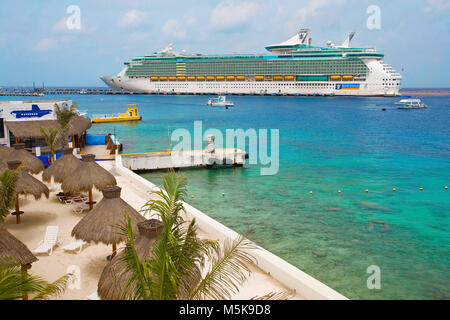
{"points": [[15, 283], [50, 139], [178, 256], [7, 192], [64, 114]]}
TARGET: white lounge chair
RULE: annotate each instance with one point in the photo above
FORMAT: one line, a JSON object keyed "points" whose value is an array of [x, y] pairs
{"points": [[75, 245], [93, 296], [73, 200], [50, 240], [80, 208]]}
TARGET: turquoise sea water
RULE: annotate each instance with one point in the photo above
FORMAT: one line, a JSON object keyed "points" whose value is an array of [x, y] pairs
{"points": [[326, 144]]}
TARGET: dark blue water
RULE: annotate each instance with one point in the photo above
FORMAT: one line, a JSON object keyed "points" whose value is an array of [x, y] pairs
{"points": [[326, 144]]}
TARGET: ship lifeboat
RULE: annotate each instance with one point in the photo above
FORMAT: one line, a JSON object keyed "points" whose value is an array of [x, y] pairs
{"points": [[277, 77], [347, 77], [172, 78], [230, 78], [289, 78], [210, 78], [220, 78], [154, 78], [181, 78], [259, 78], [192, 78], [163, 78], [240, 78], [335, 78], [201, 78]]}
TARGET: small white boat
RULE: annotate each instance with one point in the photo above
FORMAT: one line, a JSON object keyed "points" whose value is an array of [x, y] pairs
{"points": [[411, 104], [220, 101]]}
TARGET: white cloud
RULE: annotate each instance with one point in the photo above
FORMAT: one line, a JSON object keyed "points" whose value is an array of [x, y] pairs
{"points": [[189, 18], [46, 44], [228, 15], [139, 36], [132, 18], [437, 5], [310, 10], [174, 29], [67, 38], [60, 27]]}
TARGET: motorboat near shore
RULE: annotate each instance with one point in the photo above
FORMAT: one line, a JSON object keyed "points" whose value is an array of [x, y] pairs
{"points": [[220, 101], [132, 114], [409, 103]]}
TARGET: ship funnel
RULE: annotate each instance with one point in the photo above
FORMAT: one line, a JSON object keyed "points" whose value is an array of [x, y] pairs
{"points": [[302, 35], [346, 43]]}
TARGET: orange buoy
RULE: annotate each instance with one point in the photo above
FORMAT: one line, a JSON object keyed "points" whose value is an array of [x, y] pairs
{"points": [[445, 187], [310, 192], [421, 189], [394, 189], [367, 190], [339, 191]]}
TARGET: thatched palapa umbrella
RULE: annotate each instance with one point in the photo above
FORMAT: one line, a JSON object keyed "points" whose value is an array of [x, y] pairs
{"points": [[114, 277], [13, 249], [26, 184], [100, 224], [29, 161], [62, 167], [87, 175]]}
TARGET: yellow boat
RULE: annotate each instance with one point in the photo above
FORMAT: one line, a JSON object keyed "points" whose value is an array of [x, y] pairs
{"points": [[132, 114]]}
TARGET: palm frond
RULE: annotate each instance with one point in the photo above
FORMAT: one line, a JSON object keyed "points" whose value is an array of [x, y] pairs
{"points": [[14, 283], [226, 270], [50, 137], [55, 288], [7, 192], [138, 285], [64, 115]]}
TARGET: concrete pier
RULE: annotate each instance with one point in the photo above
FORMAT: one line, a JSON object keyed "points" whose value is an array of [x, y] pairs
{"points": [[182, 159]]}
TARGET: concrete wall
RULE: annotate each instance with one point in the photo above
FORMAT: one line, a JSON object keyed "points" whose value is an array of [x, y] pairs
{"points": [[279, 269]]}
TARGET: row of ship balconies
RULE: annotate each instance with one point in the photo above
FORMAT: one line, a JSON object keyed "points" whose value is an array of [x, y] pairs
{"points": [[255, 78]]}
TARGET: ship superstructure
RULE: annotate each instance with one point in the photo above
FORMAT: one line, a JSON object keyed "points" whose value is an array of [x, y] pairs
{"points": [[291, 67]]}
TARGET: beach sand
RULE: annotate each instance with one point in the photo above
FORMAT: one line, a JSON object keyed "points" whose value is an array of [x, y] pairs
{"points": [[92, 259]]}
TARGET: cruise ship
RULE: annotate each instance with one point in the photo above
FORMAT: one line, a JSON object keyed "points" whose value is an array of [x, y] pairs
{"points": [[293, 67]]}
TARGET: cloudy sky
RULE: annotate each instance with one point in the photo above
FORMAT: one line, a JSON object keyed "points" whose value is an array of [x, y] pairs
{"points": [[36, 44]]}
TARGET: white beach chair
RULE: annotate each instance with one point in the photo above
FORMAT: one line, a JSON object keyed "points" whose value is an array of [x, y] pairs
{"points": [[50, 240], [73, 200], [80, 208], [75, 245], [93, 296]]}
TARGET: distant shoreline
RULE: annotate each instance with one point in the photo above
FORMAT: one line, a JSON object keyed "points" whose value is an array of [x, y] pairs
{"points": [[30, 91]]}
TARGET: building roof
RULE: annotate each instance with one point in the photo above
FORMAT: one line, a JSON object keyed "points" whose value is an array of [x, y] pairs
{"points": [[31, 129]]}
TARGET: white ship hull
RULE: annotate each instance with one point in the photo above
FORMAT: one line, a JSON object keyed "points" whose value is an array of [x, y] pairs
{"points": [[247, 88]]}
